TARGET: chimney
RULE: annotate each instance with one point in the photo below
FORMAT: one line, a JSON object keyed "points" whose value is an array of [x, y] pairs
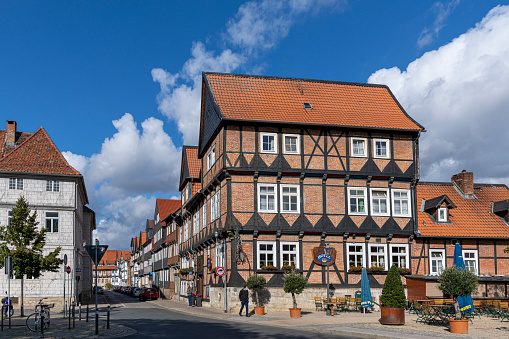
{"points": [[10, 138], [465, 181]]}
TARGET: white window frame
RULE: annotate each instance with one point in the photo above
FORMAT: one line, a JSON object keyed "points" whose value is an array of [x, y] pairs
{"points": [[282, 195], [9, 217], [16, 184], [215, 206], [189, 191], [196, 223], [204, 214], [388, 154], [363, 155], [52, 186], [262, 134], [365, 201], [446, 212], [186, 230], [297, 145], [475, 259], [211, 157], [275, 198], [406, 255], [348, 252], [370, 252], [258, 260], [387, 198], [431, 259], [296, 252], [219, 256], [52, 220], [409, 200]]}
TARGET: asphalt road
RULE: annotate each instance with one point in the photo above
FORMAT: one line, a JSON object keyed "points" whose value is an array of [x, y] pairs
{"points": [[155, 322]]}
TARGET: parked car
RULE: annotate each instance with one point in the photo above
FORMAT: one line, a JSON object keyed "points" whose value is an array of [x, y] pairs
{"points": [[148, 293], [136, 292], [100, 290]]}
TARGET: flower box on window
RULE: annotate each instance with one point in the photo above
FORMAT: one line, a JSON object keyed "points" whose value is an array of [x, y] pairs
{"points": [[404, 271], [355, 269], [288, 267], [269, 267], [375, 269]]}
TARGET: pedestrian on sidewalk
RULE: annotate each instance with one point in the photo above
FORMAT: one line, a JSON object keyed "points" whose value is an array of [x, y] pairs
{"points": [[244, 299], [190, 296]]}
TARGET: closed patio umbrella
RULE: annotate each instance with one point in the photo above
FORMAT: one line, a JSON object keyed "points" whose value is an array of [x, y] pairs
{"points": [[366, 300], [465, 302]]}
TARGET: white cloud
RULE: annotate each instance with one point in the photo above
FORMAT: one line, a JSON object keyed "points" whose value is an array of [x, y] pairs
{"points": [[459, 93], [442, 13]]}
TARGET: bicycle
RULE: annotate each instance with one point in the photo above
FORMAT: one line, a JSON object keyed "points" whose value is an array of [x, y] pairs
{"points": [[7, 308], [34, 320]]}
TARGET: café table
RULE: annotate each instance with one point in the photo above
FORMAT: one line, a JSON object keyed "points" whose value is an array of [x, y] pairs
{"points": [[330, 307], [438, 314]]}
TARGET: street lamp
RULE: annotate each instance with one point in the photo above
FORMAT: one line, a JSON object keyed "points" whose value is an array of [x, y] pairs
{"points": [[328, 251]]}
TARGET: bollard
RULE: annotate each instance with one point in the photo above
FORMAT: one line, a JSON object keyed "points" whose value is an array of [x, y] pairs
{"points": [[96, 321], [79, 312], [69, 316], [108, 318], [87, 313], [73, 315], [42, 325], [2, 319]]}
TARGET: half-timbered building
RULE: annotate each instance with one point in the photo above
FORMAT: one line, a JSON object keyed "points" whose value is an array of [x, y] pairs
{"points": [[288, 166]]}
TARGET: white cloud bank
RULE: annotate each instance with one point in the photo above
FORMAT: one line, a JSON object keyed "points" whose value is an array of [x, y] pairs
{"points": [[460, 93]]}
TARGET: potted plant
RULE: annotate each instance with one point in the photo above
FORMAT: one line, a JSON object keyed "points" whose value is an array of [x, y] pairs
{"points": [[269, 267], [392, 303], [294, 283], [355, 269], [198, 299], [375, 269], [457, 282], [288, 267], [404, 271], [257, 282]]}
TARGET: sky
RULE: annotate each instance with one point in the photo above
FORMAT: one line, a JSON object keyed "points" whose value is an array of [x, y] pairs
{"points": [[117, 84]]}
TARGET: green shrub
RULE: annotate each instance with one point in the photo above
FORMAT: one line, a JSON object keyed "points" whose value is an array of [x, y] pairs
{"points": [[393, 293], [256, 282], [108, 286], [294, 283]]}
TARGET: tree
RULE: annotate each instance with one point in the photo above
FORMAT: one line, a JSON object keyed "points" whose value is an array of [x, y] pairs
{"points": [[294, 283], [457, 282], [24, 242], [393, 293], [256, 282]]}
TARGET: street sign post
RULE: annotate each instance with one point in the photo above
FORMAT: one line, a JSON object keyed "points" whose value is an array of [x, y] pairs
{"points": [[8, 271], [220, 271], [96, 253], [68, 269]]}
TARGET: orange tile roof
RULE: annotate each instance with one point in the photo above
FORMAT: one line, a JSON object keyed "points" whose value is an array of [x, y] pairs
{"points": [[110, 258], [37, 154], [4, 148], [257, 98], [167, 207], [193, 162], [470, 218]]}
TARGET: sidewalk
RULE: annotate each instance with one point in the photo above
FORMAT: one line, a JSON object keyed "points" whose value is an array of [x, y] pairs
{"points": [[352, 324]]}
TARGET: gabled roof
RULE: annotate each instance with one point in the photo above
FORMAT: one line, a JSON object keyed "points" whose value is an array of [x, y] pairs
{"points": [[470, 218], [436, 202], [167, 207], [191, 165], [276, 99], [111, 256], [37, 154], [19, 138]]}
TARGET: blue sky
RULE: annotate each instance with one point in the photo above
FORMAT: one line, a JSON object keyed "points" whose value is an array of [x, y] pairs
{"points": [[116, 83]]}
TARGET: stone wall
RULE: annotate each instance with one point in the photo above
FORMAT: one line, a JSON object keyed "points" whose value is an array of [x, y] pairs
{"points": [[275, 299]]}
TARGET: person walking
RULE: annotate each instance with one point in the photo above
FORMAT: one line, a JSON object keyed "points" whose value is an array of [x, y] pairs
{"points": [[244, 299], [190, 296]]}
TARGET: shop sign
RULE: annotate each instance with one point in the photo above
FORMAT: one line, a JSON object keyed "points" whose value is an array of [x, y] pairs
{"points": [[320, 258]]}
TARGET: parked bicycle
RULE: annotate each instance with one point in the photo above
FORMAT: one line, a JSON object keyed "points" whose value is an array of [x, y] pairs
{"points": [[40, 318], [7, 308]]}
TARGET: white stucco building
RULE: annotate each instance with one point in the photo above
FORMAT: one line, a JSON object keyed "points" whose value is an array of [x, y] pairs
{"points": [[32, 166]]}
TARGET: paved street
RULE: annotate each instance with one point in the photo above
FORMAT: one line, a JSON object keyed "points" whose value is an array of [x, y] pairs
{"points": [[152, 321]]}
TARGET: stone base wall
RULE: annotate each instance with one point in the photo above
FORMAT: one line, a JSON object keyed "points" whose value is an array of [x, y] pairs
{"points": [[275, 299]]}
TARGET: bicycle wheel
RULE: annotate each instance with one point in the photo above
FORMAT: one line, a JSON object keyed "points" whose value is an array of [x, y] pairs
{"points": [[46, 319], [33, 322], [11, 312]]}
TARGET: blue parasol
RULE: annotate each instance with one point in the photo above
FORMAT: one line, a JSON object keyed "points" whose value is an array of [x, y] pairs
{"points": [[366, 300], [465, 302]]}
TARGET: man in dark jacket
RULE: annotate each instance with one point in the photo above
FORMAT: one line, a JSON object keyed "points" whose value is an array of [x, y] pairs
{"points": [[244, 299]]}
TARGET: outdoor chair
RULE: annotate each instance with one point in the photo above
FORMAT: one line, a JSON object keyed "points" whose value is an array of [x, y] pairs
{"points": [[422, 311], [319, 304], [493, 306], [438, 301], [503, 308], [448, 301], [478, 309], [341, 306]]}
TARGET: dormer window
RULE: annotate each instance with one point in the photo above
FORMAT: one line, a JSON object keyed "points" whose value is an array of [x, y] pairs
{"points": [[442, 214], [501, 208]]}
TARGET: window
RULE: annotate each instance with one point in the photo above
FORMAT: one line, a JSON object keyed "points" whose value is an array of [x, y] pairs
{"points": [[268, 142], [290, 202], [377, 255], [289, 254], [204, 217], [15, 184], [189, 193], [399, 255], [355, 254], [266, 254], [211, 157], [52, 221], [9, 217], [381, 148], [359, 147], [357, 200], [215, 206], [219, 255], [186, 231], [379, 201], [470, 259], [196, 223], [401, 203], [436, 261], [442, 214], [291, 142], [267, 197], [52, 186]]}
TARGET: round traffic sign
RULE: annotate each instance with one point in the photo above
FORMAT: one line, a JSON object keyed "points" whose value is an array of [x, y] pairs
{"points": [[68, 269], [65, 259], [220, 271]]}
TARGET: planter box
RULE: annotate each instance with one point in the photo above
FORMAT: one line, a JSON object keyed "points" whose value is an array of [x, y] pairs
{"points": [[458, 326], [392, 316]]}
